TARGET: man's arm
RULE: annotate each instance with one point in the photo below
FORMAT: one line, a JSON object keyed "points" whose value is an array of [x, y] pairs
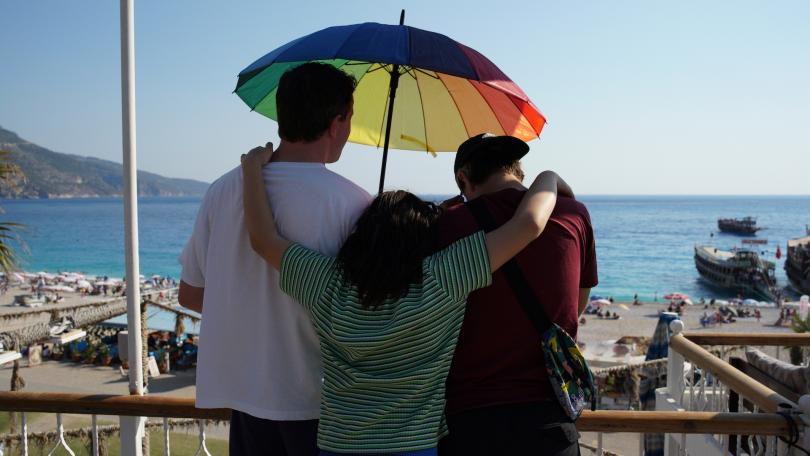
{"points": [[584, 293], [191, 297]]}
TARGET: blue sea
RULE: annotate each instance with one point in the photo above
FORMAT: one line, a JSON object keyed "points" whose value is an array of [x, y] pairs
{"points": [[644, 243]]}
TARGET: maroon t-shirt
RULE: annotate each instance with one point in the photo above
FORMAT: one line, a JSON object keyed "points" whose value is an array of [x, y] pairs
{"points": [[498, 359]]}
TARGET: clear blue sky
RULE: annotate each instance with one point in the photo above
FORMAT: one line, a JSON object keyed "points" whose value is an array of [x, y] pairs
{"points": [[687, 97]]}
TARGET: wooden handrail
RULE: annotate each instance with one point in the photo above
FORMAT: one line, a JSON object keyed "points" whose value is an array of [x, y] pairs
{"points": [[765, 339], [682, 422], [108, 404], [598, 421], [764, 397]]}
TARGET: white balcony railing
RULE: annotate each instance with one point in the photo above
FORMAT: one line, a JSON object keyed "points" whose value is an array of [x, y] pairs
{"points": [[699, 381], [707, 408], [680, 422]]}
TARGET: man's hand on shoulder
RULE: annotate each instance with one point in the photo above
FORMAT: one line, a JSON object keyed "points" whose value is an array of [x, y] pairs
{"points": [[454, 201]]}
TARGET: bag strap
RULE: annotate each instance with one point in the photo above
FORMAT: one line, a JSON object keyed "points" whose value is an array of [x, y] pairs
{"points": [[514, 276]]}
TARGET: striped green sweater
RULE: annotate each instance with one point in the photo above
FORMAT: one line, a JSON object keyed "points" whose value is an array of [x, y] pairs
{"points": [[385, 369]]}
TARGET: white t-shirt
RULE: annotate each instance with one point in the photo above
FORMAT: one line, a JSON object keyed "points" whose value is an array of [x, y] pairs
{"points": [[258, 351]]}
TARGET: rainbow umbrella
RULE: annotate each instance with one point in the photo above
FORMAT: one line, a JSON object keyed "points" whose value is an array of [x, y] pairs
{"points": [[445, 91]]}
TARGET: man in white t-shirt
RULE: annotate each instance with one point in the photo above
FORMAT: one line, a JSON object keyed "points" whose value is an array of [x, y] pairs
{"points": [[259, 353]]}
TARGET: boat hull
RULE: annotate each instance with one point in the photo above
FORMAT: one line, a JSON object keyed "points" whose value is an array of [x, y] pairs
{"points": [[746, 226], [730, 277], [797, 264]]}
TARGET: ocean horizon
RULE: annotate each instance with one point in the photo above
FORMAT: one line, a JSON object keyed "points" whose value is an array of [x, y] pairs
{"points": [[644, 242]]}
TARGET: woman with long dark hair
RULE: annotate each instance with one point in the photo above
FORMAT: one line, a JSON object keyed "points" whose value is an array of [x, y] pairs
{"points": [[387, 312]]}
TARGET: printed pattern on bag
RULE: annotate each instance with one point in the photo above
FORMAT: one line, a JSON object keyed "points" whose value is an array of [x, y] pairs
{"points": [[568, 372]]}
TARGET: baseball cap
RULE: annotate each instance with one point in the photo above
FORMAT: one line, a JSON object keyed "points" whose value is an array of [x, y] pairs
{"points": [[501, 149]]}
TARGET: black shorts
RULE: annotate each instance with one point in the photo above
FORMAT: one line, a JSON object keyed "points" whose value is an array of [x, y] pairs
{"points": [[515, 429], [251, 436]]}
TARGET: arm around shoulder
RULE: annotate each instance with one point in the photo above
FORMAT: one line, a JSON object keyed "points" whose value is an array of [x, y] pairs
{"points": [[261, 226], [528, 221]]}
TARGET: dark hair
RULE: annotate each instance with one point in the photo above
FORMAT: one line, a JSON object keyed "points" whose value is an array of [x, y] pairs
{"points": [[309, 97], [383, 255], [479, 170]]}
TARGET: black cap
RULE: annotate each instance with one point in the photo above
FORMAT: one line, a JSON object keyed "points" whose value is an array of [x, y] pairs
{"points": [[503, 149]]}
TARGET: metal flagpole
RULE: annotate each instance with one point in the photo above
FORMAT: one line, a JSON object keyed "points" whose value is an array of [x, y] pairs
{"points": [[392, 93], [132, 428]]}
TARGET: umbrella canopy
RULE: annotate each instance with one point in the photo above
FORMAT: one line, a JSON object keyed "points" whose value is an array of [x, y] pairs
{"points": [[58, 288], [445, 91], [600, 302], [83, 284], [676, 296]]}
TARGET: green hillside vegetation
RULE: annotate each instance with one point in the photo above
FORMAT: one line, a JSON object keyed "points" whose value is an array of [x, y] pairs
{"points": [[49, 174]]}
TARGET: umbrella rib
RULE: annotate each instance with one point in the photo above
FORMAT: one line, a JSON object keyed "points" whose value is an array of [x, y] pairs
{"points": [[434, 76], [527, 119], [463, 122], [490, 106], [371, 64], [385, 113], [424, 121]]}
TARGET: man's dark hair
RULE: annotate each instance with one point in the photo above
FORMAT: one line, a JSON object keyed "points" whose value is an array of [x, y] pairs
{"points": [[309, 97], [383, 256], [480, 169]]}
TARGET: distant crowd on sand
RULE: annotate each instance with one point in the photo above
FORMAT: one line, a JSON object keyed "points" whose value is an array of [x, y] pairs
{"points": [[51, 288], [388, 325]]}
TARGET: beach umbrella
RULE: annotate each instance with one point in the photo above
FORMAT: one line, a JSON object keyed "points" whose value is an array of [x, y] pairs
{"points": [[624, 306], [600, 302], [445, 92], [676, 296], [83, 284], [58, 288]]}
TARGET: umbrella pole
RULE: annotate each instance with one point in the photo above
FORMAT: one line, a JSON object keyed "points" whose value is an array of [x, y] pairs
{"points": [[392, 93]]}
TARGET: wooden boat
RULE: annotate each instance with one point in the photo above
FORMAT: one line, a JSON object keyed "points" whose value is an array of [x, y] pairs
{"points": [[797, 264], [741, 271], [745, 225]]}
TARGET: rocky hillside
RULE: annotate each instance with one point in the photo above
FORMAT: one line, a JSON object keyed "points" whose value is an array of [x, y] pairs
{"points": [[49, 174]]}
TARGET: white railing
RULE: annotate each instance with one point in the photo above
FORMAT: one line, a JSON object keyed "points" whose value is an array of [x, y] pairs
{"points": [[96, 405], [698, 381], [601, 421]]}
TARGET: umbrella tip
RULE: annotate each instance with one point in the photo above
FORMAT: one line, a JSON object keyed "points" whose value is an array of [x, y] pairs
{"points": [[402, 17]]}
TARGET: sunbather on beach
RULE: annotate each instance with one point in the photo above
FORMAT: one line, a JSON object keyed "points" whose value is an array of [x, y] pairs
{"points": [[259, 354], [387, 312], [499, 398]]}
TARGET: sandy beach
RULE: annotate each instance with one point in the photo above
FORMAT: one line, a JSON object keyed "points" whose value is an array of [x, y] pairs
{"points": [[641, 321]]}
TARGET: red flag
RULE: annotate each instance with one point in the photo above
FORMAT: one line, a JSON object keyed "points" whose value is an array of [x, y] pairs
{"points": [[778, 252]]}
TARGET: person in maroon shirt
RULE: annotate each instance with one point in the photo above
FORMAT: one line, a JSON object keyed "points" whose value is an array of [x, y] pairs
{"points": [[498, 399]]}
